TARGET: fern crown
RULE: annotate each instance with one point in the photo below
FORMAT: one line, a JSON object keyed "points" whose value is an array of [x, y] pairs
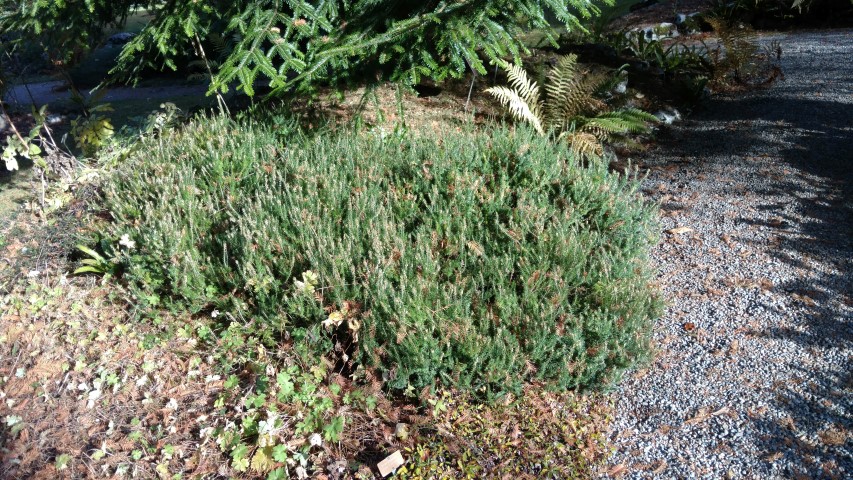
{"points": [[571, 110]]}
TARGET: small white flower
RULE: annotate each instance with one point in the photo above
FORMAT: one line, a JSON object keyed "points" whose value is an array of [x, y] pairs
{"points": [[315, 440], [11, 163], [214, 314], [125, 241]]}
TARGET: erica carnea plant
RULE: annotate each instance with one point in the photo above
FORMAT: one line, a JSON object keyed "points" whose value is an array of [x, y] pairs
{"points": [[481, 260]]}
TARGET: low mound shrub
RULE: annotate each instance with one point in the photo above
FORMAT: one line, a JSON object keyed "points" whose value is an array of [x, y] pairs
{"points": [[481, 259]]}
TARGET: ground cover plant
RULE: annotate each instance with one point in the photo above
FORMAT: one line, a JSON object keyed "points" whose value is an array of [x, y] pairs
{"points": [[481, 260], [92, 390]]}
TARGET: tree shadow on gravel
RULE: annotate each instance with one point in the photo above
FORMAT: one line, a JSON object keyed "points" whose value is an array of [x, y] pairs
{"points": [[814, 140], [819, 147], [818, 447]]}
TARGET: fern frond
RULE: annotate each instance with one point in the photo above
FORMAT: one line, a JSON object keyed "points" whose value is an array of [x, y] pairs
{"points": [[517, 106], [635, 114], [584, 144], [527, 89], [741, 52], [571, 109], [606, 125], [564, 93]]}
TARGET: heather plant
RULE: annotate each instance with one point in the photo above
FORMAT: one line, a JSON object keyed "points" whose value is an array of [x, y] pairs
{"points": [[481, 260]]}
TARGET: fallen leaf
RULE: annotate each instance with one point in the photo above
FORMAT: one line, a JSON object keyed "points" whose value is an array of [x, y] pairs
{"points": [[833, 436], [296, 442], [734, 346], [679, 230], [804, 299], [618, 470], [661, 466], [391, 463], [773, 457], [700, 416]]}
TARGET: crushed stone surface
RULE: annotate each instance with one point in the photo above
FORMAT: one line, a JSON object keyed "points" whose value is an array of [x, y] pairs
{"points": [[754, 373]]}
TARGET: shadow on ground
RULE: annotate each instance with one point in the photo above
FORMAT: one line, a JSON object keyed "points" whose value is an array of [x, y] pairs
{"points": [[813, 140]]}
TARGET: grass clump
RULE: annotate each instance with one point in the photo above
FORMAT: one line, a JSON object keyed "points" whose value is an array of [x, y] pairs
{"points": [[480, 259]]}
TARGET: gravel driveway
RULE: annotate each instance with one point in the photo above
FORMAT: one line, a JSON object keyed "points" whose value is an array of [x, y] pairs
{"points": [[753, 378]]}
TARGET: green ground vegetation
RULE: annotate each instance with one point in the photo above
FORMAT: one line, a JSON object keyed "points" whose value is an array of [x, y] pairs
{"points": [[482, 259]]}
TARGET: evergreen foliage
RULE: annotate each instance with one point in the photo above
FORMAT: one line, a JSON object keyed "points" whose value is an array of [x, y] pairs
{"points": [[573, 109], [297, 43], [480, 259], [66, 29]]}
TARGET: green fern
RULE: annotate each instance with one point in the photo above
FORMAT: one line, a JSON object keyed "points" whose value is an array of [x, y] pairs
{"points": [[571, 110]]}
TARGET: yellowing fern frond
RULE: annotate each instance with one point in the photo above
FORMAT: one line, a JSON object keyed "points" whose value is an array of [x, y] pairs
{"points": [[527, 89], [565, 98], [584, 144], [518, 107]]}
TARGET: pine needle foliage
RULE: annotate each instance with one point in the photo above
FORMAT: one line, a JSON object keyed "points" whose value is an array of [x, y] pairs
{"points": [[67, 30], [572, 109], [288, 44], [482, 260]]}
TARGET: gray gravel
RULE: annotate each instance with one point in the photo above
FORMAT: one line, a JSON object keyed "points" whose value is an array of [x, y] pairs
{"points": [[753, 377]]}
